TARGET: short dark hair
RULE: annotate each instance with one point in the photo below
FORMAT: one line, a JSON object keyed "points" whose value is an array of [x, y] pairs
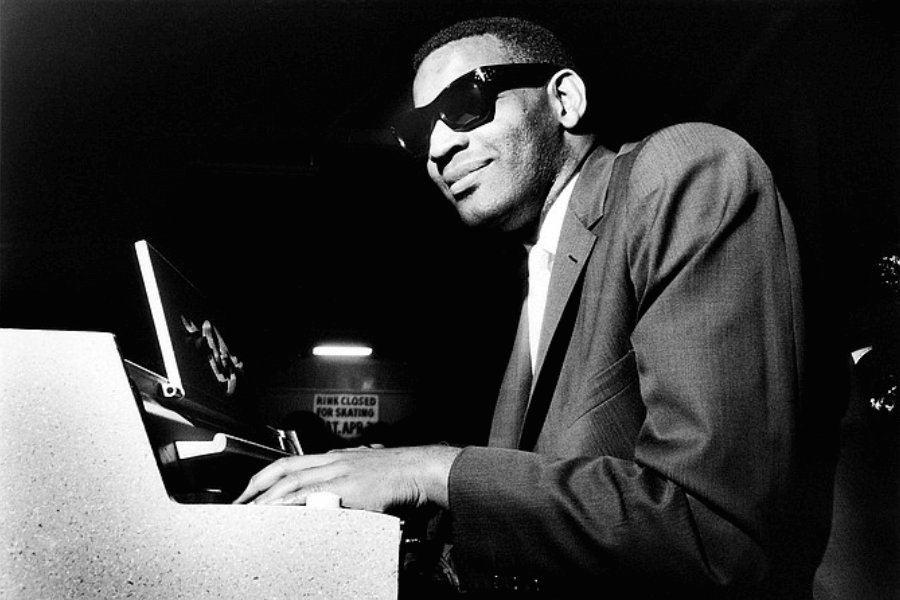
{"points": [[525, 41]]}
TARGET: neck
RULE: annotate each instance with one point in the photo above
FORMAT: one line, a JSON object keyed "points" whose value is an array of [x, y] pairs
{"points": [[579, 150]]}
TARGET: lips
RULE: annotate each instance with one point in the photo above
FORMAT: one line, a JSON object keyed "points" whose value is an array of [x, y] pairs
{"points": [[459, 178]]}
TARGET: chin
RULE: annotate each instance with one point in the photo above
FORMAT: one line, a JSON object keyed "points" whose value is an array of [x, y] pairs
{"points": [[486, 221], [472, 220], [470, 212]]}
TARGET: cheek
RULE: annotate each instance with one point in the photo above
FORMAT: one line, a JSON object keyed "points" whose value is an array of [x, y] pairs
{"points": [[527, 135], [527, 151]]}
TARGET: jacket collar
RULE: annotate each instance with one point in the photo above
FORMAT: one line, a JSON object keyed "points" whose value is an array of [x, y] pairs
{"points": [[589, 196], [576, 241]]}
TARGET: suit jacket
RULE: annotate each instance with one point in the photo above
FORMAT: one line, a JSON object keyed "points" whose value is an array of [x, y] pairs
{"points": [[667, 440]]}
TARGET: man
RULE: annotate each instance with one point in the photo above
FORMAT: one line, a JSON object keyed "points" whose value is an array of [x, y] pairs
{"points": [[654, 432]]}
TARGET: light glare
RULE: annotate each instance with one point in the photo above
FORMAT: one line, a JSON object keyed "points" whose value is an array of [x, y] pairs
{"points": [[342, 351]]}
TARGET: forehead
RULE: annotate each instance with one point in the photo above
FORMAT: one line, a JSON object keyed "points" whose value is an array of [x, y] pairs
{"points": [[456, 58]]}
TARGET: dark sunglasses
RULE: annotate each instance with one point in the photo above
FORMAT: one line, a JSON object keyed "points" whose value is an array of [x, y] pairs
{"points": [[468, 102]]}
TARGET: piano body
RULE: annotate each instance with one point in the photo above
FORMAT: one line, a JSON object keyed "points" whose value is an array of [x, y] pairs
{"points": [[117, 478], [87, 513]]}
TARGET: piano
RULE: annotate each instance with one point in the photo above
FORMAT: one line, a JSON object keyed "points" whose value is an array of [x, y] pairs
{"points": [[195, 402], [203, 460], [117, 477]]}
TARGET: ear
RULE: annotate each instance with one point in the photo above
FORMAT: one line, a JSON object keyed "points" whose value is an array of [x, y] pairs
{"points": [[568, 97]]}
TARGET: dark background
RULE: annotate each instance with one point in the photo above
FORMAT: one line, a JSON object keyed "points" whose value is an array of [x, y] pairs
{"points": [[248, 141]]}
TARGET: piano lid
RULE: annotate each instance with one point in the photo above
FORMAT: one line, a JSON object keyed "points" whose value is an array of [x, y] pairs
{"points": [[203, 376]]}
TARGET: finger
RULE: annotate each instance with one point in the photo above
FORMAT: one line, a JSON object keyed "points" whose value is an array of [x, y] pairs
{"points": [[277, 492], [292, 489], [261, 481], [295, 485], [274, 473]]}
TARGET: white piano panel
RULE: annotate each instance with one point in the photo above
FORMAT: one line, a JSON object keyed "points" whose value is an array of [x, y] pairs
{"points": [[85, 514]]}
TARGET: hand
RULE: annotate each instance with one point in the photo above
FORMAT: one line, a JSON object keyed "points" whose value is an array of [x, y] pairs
{"points": [[380, 480]]}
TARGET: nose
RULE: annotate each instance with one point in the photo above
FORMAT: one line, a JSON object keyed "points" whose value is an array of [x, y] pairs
{"points": [[445, 142]]}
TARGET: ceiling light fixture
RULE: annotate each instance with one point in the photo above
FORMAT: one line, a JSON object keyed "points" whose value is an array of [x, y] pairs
{"points": [[342, 350]]}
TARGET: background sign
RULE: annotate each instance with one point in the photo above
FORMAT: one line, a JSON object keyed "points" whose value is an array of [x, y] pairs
{"points": [[347, 413]]}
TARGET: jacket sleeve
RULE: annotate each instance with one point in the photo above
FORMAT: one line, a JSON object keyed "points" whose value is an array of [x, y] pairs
{"points": [[717, 336]]}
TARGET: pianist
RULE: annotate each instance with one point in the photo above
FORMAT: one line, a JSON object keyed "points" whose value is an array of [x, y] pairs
{"points": [[669, 439]]}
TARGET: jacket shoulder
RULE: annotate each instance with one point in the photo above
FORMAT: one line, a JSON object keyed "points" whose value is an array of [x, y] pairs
{"points": [[690, 141], [690, 148]]}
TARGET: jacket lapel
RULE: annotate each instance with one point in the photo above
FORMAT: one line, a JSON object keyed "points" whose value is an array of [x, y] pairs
{"points": [[576, 243]]}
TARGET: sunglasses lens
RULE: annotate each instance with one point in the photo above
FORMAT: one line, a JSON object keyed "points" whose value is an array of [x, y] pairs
{"points": [[464, 109], [413, 130]]}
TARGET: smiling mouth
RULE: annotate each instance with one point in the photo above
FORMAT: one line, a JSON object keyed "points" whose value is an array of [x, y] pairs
{"points": [[464, 185]]}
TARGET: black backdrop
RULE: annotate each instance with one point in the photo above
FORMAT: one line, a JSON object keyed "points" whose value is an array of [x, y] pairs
{"points": [[247, 141]]}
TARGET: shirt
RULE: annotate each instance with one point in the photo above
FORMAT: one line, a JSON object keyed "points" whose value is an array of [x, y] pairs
{"points": [[540, 265]]}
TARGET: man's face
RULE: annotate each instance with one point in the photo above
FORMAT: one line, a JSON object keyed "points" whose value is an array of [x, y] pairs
{"points": [[499, 174]]}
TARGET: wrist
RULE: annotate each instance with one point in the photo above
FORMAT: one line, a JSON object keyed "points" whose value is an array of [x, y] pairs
{"points": [[438, 461]]}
